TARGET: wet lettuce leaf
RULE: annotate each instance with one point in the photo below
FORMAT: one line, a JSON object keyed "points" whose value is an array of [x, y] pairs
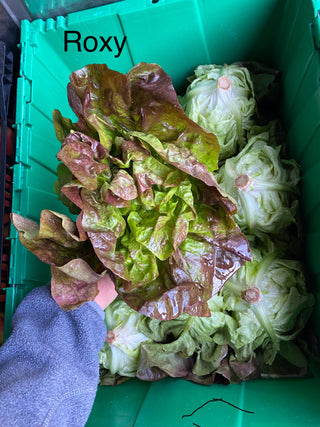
{"points": [[55, 241], [64, 178], [74, 283]]}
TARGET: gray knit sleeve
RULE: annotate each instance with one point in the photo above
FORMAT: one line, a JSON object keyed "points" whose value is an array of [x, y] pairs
{"points": [[49, 366]]}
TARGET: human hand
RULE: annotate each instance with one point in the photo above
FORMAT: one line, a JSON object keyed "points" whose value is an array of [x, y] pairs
{"points": [[107, 292]]}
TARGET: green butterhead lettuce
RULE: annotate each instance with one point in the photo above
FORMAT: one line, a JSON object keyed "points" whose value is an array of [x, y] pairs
{"points": [[121, 351], [264, 186], [221, 100], [269, 301]]}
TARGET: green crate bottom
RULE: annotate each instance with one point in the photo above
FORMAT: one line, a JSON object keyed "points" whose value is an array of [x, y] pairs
{"points": [[274, 402]]}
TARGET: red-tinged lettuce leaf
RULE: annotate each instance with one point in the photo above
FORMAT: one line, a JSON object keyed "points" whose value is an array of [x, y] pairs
{"points": [[132, 150], [181, 227], [109, 90], [64, 126], [213, 195], [105, 99], [149, 172], [104, 244], [180, 157], [194, 262], [80, 158], [215, 224], [120, 191], [149, 84], [110, 198], [83, 235], [56, 241], [123, 186], [73, 284], [99, 216], [59, 228], [155, 101], [99, 151], [72, 191], [104, 224], [64, 178], [169, 124], [163, 299], [227, 264]]}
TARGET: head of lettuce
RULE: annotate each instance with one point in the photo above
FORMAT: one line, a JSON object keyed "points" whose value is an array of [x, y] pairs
{"points": [[220, 98], [139, 173]]}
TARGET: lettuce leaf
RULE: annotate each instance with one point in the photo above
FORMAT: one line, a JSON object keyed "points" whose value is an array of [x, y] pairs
{"points": [[55, 241]]}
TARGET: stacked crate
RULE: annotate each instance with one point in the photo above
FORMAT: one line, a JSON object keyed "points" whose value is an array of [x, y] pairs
{"points": [[6, 163]]}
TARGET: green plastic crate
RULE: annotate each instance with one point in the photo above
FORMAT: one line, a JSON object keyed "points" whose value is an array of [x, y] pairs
{"points": [[178, 35]]}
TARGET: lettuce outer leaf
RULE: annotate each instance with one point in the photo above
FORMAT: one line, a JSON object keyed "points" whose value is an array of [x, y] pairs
{"points": [[64, 178], [179, 156], [79, 157], [56, 241], [73, 284]]}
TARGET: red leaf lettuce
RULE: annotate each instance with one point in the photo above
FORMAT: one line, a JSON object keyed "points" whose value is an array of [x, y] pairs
{"points": [[151, 211]]}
